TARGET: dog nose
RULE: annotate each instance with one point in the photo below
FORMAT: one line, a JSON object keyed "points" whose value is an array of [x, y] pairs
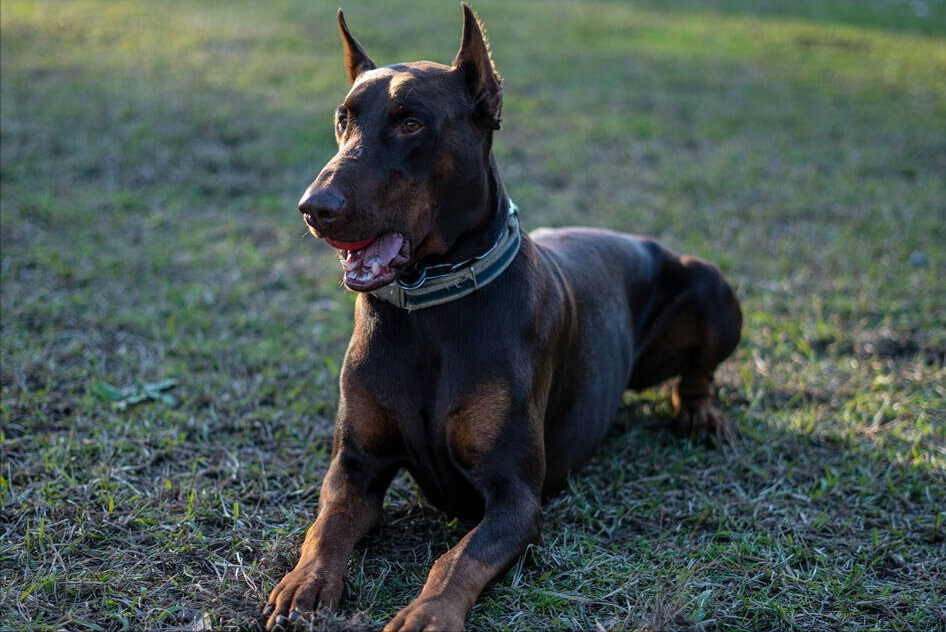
{"points": [[322, 205]]}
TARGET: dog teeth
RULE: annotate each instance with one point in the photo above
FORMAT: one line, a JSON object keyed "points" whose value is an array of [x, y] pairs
{"points": [[375, 267]]}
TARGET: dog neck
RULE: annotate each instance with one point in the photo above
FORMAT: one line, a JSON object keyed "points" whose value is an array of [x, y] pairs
{"points": [[485, 253], [445, 283], [479, 238]]}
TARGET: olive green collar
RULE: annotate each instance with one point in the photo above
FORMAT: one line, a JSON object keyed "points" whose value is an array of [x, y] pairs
{"points": [[433, 287]]}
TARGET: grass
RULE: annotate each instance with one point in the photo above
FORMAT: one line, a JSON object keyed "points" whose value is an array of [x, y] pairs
{"points": [[152, 154]]}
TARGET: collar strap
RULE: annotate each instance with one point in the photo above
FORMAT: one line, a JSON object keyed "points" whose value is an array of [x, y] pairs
{"points": [[460, 279]]}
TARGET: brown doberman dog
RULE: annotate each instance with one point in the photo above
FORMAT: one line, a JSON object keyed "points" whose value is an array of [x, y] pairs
{"points": [[486, 361]]}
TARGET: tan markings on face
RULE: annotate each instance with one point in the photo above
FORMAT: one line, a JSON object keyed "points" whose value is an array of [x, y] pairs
{"points": [[444, 166], [416, 207], [476, 423]]}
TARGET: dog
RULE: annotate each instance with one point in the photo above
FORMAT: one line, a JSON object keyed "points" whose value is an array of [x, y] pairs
{"points": [[486, 361]]}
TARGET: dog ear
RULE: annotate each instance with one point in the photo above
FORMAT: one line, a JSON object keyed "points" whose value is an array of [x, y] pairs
{"points": [[356, 60], [482, 80]]}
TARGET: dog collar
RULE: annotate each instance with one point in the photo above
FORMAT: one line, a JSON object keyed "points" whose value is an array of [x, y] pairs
{"points": [[458, 280]]}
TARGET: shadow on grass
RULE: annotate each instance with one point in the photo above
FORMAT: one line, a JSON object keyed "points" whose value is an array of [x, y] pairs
{"points": [[658, 533]]}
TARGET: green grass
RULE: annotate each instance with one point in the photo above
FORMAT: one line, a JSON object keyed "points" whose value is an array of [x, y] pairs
{"points": [[152, 155]]}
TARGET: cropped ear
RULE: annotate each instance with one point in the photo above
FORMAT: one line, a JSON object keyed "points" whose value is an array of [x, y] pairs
{"points": [[356, 60], [482, 80]]}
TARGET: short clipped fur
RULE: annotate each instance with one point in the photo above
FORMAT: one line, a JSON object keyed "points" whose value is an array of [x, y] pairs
{"points": [[493, 400]]}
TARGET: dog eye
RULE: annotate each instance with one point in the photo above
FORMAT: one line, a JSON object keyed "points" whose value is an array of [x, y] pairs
{"points": [[341, 123], [410, 126]]}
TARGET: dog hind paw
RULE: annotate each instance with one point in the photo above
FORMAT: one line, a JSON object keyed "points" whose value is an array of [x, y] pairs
{"points": [[704, 422]]}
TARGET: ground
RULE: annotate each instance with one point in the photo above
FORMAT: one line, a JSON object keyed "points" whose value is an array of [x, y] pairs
{"points": [[171, 337]]}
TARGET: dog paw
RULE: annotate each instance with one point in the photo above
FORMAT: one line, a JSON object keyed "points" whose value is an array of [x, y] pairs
{"points": [[431, 615], [703, 422], [300, 593]]}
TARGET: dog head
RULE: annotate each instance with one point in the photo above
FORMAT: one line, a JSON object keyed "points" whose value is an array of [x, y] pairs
{"points": [[412, 172]]}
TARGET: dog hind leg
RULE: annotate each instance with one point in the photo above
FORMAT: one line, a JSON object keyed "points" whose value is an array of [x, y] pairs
{"points": [[688, 337]]}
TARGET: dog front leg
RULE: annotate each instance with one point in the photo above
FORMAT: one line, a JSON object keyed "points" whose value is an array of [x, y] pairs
{"points": [[349, 506], [511, 522]]}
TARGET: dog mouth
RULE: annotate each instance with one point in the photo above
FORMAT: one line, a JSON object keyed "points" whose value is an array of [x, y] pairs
{"points": [[374, 262]]}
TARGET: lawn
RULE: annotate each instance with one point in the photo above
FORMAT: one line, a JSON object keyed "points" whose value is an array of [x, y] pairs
{"points": [[171, 338]]}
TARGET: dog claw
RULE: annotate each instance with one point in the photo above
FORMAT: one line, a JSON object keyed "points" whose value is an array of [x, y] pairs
{"points": [[707, 425]]}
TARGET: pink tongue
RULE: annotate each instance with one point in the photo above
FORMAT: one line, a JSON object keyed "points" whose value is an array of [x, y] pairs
{"points": [[374, 260], [383, 249]]}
